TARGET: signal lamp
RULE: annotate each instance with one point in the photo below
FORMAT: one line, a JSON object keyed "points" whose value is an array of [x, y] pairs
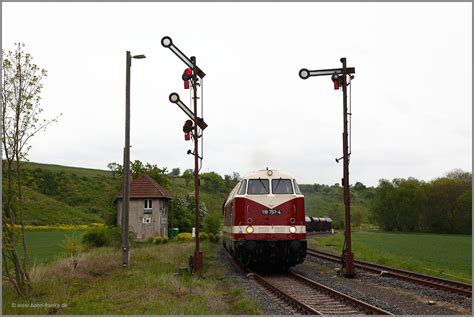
{"points": [[188, 126], [335, 80], [292, 229], [304, 73], [174, 97], [187, 74], [269, 172], [166, 41], [187, 136], [249, 229]]}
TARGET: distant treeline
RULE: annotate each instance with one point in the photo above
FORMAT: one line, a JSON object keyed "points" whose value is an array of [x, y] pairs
{"points": [[443, 205]]}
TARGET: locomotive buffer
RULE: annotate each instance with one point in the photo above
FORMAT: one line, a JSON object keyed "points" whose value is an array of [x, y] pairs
{"points": [[339, 78]]}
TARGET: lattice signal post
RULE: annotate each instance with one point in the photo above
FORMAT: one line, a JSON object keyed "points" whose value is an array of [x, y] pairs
{"points": [[190, 74], [339, 77]]}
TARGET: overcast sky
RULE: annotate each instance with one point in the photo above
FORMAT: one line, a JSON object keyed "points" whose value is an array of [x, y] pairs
{"points": [[411, 103]]}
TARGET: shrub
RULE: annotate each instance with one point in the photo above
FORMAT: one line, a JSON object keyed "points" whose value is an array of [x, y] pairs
{"points": [[99, 237], [203, 236], [213, 222], [72, 248], [150, 240], [185, 236], [164, 240], [158, 240], [213, 237], [114, 236], [95, 238]]}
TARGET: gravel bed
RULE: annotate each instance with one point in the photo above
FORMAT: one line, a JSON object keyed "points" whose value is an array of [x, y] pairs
{"points": [[396, 296], [270, 305]]}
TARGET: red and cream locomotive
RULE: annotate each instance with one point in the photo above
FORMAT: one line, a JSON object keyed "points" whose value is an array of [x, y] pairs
{"points": [[264, 220]]}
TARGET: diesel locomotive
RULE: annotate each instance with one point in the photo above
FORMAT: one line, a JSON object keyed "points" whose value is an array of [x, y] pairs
{"points": [[264, 220]]}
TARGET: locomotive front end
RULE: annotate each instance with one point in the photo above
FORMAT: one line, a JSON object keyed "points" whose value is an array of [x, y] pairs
{"points": [[265, 220]]}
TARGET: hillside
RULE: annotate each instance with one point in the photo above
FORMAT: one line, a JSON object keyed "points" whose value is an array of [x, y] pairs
{"points": [[56, 194], [324, 200]]}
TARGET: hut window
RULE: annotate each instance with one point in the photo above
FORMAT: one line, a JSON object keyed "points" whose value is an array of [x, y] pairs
{"points": [[148, 206]]}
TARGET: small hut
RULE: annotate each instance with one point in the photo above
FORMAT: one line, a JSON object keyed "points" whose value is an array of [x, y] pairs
{"points": [[148, 212]]}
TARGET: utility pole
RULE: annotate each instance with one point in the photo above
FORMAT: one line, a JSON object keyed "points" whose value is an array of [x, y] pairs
{"points": [[172, 206], [126, 166], [339, 78]]}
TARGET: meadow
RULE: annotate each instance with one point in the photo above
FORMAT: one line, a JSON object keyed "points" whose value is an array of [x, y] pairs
{"points": [[443, 255], [100, 285], [43, 246]]}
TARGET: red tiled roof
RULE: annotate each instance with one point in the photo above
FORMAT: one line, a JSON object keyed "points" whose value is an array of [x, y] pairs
{"points": [[146, 187]]}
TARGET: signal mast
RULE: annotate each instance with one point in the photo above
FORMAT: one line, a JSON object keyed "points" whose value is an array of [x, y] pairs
{"points": [[190, 129]]}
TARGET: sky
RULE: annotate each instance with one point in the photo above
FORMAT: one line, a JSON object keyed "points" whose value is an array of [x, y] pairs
{"points": [[411, 95]]}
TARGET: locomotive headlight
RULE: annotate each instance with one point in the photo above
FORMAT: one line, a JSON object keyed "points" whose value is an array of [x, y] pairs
{"points": [[292, 229], [250, 229]]}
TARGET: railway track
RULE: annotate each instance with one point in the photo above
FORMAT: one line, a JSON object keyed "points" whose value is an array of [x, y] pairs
{"points": [[430, 281], [306, 296]]}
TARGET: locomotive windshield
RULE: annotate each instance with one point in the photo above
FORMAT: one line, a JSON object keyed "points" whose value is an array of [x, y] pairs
{"points": [[297, 188], [282, 186], [242, 187], [258, 187]]}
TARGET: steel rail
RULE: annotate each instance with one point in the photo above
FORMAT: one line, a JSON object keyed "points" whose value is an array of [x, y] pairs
{"points": [[295, 303], [299, 305], [431, 281], [363, 306]]}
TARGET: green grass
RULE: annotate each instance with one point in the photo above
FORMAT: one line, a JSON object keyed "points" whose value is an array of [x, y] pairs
{"points": [[44, 246], [80, 171], [44, 210], [447, 256], [101, 286]]}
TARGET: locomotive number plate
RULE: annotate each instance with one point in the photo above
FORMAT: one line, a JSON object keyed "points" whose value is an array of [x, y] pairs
{"points": [[271, 212]]}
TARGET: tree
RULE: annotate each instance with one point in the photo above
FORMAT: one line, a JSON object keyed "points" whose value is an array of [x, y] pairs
{"points": [[213, 222], [188, 176], [235, 176], [114, 167], [441, 206], [359, 187], [21, 97], [183, 216], [175, 171], [137, 168], [212, 182]]}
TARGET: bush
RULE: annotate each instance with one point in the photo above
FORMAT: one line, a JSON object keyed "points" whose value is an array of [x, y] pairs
{"points": [[72, 248], [185, 236], [99, 237], [203, 236], [95, 238], [114, 236], [158, 240], [213, 222], [213, 237], [150, 240], [164, 240]]}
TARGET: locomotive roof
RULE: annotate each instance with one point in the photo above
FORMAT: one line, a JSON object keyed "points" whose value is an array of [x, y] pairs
{"points": [[264, 174]]}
